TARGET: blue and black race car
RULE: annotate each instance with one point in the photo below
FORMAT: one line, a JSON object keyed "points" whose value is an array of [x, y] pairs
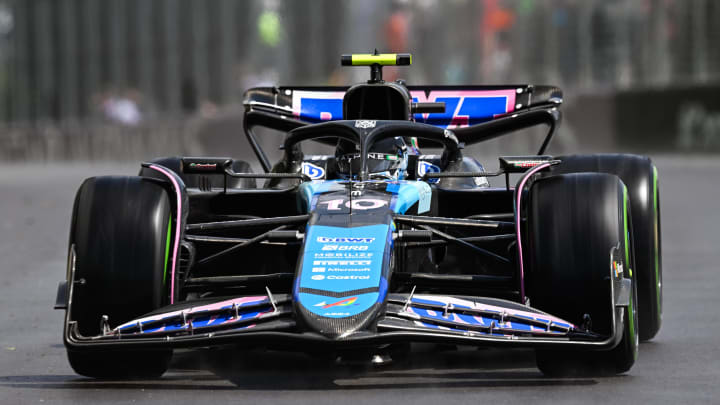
{"points": [[374, 245]]}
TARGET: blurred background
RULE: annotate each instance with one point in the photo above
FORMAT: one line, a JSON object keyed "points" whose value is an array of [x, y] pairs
{"points": [[93, 87], [92, 80]]}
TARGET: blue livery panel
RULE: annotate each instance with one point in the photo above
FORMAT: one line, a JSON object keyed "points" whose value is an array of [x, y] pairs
{"points": [[398, 196], [407, 193], [343, 260], [329, 307], [344, 268]]}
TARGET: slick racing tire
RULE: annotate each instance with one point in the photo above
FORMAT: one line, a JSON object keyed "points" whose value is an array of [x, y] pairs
{"points": [[641, 178], [193, 180], [579, 246], [120, 247]]}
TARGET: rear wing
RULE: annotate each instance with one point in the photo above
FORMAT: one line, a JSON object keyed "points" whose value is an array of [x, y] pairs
{"points": [[464, 105], [474, 113]]}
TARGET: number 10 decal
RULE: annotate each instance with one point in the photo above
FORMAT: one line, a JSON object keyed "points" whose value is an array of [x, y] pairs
{"points": [[358, 204]]}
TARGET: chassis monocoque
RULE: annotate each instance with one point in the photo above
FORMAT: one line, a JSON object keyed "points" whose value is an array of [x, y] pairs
{"points": [[200, 252]]}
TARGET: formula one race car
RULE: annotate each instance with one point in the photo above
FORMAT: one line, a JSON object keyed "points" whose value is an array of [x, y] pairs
{"points": [[374, 245]]}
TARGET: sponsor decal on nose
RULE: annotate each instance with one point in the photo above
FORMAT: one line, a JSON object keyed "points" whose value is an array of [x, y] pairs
{"points": [[325, 239], [342, 262], [341, 303], [348, 277]]}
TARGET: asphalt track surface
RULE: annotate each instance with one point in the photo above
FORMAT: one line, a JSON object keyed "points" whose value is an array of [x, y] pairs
{"points": [[682, 364]]}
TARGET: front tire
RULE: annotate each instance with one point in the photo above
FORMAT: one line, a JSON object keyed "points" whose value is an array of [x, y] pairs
{"points": [[577, 228], [641, 178], [120, 239]]}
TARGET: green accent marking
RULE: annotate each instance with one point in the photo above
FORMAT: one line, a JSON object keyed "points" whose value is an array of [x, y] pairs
{"points": [[167, 249], [657, 238], [631, 311]]}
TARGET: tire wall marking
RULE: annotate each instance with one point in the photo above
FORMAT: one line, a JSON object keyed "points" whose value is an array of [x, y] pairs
{"points": [[631, 310], [167, 248]]}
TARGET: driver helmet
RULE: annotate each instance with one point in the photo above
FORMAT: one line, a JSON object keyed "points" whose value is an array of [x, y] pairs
{"points": [[387, 159]]}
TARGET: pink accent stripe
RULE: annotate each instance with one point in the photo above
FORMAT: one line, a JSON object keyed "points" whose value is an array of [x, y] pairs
{"points": [[177, 228], [487, 307], [238, 301], [518, 191], [148, 319], [193, 310], [509, 95]]}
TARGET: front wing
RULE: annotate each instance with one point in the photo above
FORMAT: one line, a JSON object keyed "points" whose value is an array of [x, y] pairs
{"points": [[265, 320]]}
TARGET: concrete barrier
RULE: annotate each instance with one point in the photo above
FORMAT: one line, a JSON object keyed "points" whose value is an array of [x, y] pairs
{"points": [[685, 119], [92, 141]]}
